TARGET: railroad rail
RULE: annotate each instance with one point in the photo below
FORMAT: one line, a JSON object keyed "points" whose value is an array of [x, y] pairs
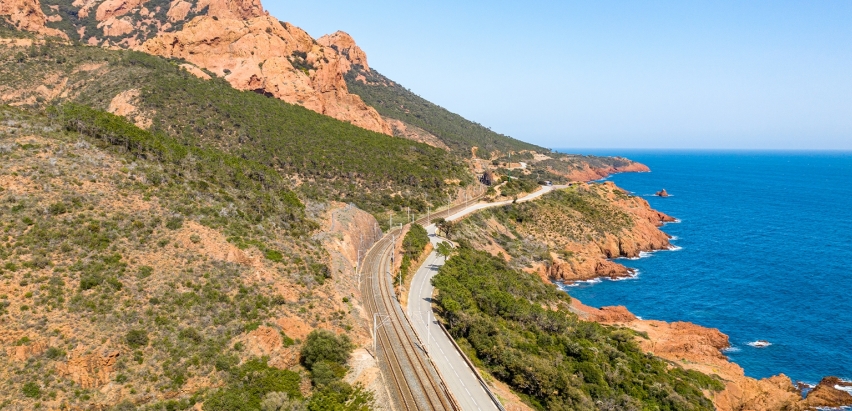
{"points": [[414, 382]]}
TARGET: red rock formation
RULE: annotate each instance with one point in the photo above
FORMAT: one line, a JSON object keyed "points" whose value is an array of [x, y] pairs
{"points": [[344, 44], [27, 15], [826, 394], [662, 193], [116, 8], [699, 348], [261, 54], [24, 352], [89, 370], [589, 173]]}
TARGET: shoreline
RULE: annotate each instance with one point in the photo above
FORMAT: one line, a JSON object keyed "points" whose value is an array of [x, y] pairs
{"points": [[703, 349]]}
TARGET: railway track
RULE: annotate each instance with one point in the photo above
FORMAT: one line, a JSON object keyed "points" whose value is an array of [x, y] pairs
{"points": [[413, 380]]}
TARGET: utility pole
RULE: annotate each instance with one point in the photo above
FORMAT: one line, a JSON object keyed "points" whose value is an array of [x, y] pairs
{"points": [[428, 329], [376, 325], [409, 213]]}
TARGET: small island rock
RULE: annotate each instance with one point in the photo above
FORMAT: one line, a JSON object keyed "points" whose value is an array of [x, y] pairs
{"points": [[662, 193]]}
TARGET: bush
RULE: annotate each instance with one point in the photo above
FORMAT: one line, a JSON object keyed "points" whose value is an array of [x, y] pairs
{"points": [[31, 390], [136, 338], [323, 345], [174, 223], [249, 384]]}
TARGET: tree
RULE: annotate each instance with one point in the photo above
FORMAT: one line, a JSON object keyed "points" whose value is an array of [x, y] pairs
{"points": [[323, 345], [445, 249], [444, 225]]}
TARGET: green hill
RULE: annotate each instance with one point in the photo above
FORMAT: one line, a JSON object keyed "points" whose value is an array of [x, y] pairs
{"points": [[324, 159], [392, 100]]}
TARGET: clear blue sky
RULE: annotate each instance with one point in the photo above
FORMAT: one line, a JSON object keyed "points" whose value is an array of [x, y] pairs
{"points": [[615, 74]]}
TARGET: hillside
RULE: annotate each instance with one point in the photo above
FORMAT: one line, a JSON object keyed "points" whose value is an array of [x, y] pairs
{"points": [[569, 234], [522, 331], [394, 101], [130, 278], [325, 159]]}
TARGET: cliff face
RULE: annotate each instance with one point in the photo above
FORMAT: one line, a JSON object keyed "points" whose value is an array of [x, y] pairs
{"points": [[264, 55], [236, 39], [27, 15]]}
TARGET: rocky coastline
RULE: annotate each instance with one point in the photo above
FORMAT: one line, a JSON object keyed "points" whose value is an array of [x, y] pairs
{"points": [[693, 346]]}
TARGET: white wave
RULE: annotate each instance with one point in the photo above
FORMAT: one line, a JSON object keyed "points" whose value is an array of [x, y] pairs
{"points": [[645, 254], [732, 349], [844, 388], [634, 274], [759, 344], [674, 238], [675, 248]]}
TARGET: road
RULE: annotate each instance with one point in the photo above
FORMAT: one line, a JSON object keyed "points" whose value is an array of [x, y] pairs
{"points": [[459, 378]]}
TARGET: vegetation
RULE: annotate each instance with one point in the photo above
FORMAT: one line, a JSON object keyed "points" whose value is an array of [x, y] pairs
{"points": [[392, 100], [522, 332], [113, 268], [413, 245], [533, 229], [273, 136], [325, 355]]}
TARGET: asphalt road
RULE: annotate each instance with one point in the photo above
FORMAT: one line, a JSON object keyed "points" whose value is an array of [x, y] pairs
{"points": [[459, 378]]}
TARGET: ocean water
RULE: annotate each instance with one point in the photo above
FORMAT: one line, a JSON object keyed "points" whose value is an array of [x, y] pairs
{"points": [[764, 246]]}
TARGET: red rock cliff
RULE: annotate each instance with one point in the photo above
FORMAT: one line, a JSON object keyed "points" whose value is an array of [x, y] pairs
{"points": [[281, 60], [27, 15]]}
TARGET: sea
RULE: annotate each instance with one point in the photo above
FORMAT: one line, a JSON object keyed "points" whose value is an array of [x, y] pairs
{"points": [[762, 251]]}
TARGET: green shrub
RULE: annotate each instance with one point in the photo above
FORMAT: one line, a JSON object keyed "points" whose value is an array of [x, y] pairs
{"points": [[274, 256], [174, 223], [144, 272], [324, 345], [31, 390], [54, 353], [249, 383], [136, 338], [57, 208]]}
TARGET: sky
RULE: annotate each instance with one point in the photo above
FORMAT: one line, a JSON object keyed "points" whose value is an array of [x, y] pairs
{"points": [[615, 74]]}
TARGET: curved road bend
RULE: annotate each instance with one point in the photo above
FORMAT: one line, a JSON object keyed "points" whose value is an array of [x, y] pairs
{"points": [[459, 377]]}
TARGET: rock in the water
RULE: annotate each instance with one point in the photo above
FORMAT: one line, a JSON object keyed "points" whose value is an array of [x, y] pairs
{"points": [[831, 392], [662, 193]]}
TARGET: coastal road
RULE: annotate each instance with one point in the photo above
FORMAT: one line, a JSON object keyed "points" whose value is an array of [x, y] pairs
{"points": [[459, 377]]}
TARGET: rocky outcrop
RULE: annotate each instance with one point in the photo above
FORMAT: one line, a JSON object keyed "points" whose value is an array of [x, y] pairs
{"points": [[344, 44], [27, 15], [831, 392], [89, 370], [662, 193], [405, 130], [281, 60], [236, 39], [592, 259], [699, 348], [587, 172], [24, 352], [116, 8]]}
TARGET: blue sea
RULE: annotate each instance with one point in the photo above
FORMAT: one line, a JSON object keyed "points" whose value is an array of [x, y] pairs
{"points": [[764, 247]]}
